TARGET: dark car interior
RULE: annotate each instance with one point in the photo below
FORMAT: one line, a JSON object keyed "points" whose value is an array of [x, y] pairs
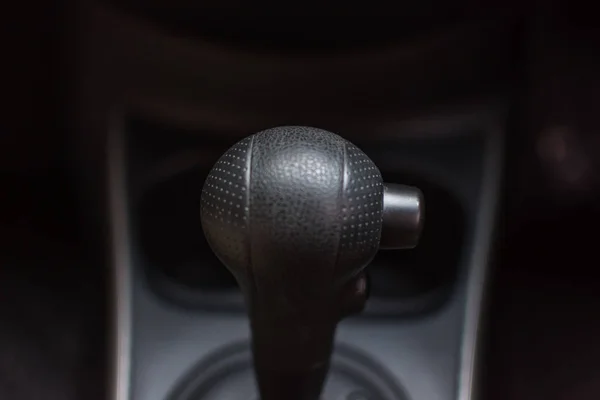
{"points": [[116, 111]]}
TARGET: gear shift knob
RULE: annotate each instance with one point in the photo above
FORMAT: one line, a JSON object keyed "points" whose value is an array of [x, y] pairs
{"points": [[296, 213]]}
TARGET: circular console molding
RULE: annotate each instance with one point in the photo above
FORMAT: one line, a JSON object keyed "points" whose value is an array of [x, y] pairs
{"points": [[227, 374]]}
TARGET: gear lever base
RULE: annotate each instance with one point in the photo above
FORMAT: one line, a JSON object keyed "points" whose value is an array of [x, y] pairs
{"points": [[228, 375]]}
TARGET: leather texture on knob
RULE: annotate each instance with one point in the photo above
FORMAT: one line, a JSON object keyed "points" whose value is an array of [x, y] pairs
{"points": [[293, 211]]}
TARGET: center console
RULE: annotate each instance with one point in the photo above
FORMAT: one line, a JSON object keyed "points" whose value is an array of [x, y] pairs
{"points": [[186, 327], [180, 328]]}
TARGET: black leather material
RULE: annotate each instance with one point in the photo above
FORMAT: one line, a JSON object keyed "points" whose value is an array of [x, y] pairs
{"points": [[291, 205], [295, 213]]}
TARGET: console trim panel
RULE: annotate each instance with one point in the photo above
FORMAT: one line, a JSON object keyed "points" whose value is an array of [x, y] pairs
{"points": [[123, 273], [478, 277], [122, 314]]}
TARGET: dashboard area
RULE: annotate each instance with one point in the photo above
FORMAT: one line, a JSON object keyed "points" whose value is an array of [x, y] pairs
{"points": [[311, 27]]}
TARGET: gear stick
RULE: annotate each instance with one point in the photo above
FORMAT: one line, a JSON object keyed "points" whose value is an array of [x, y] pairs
{"points": [[296, 213]]}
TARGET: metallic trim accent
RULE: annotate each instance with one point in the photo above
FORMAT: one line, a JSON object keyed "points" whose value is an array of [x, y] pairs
{"points": [[478, 273], [121, 261]]}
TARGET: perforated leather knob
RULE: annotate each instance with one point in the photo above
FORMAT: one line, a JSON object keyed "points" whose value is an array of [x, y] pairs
{"points": [[296, 213], [303, 201]]}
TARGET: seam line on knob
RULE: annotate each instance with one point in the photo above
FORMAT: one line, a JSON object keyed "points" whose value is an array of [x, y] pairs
{"points": [[248, 178], [343, 187]]}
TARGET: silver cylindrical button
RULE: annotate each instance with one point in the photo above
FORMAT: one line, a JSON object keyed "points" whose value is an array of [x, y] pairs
{"points": [[403, 214]]}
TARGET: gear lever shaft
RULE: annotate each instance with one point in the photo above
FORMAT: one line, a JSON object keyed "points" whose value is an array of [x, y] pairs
{"points": [[296, 214]]}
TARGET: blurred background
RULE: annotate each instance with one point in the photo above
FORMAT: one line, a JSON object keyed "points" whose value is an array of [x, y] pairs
{"points": [[542, 336]]}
